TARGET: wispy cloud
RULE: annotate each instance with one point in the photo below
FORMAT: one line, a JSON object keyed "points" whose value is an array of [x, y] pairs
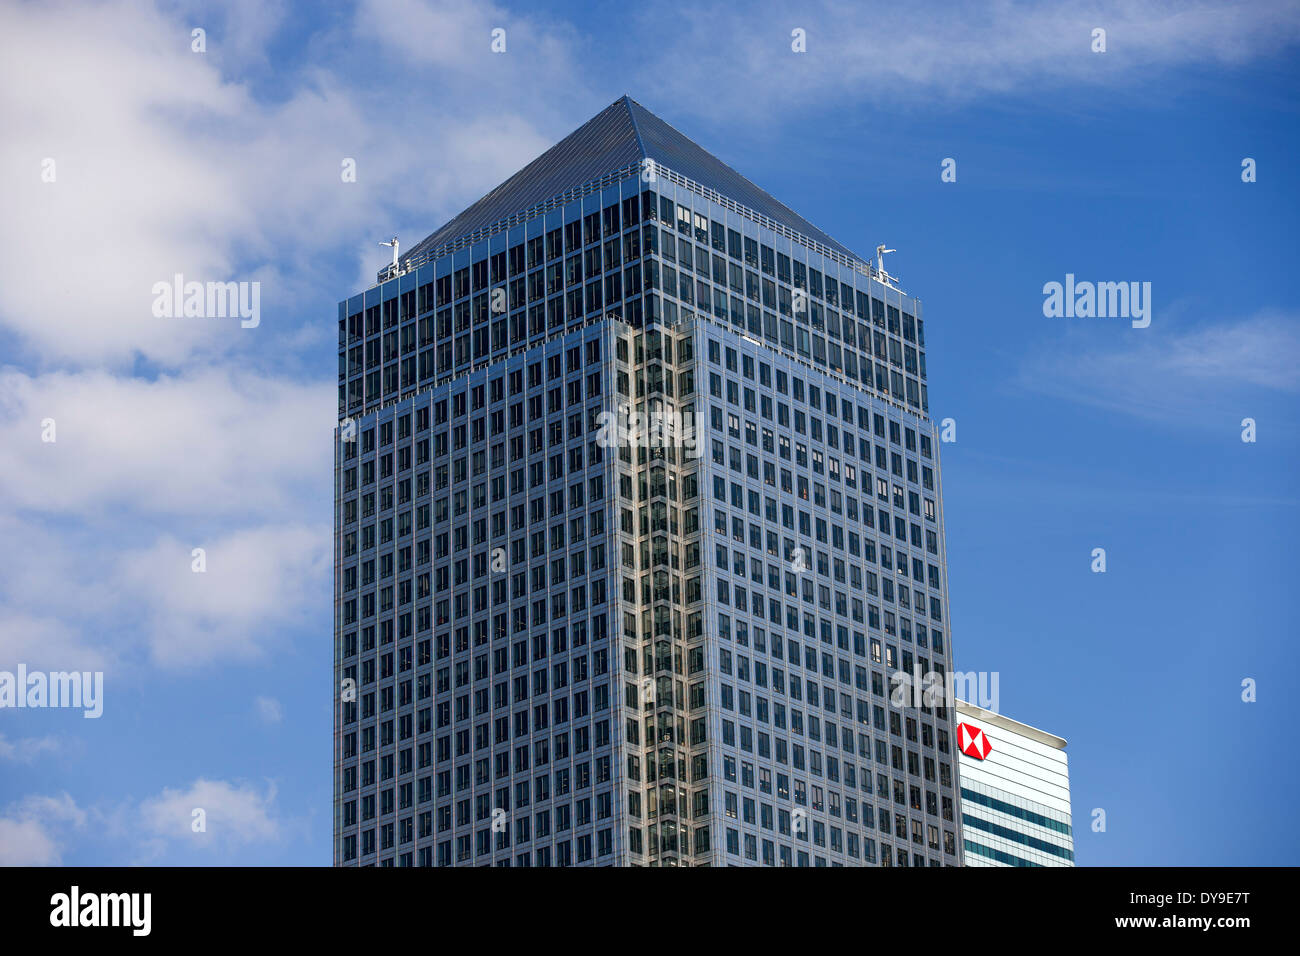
{"points": [[269, 710], [27, 749], [919, 55], [1172, 373]]}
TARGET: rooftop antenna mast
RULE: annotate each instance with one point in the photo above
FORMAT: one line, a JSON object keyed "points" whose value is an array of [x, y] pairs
{"points": [[880, 263], [392, 242]]}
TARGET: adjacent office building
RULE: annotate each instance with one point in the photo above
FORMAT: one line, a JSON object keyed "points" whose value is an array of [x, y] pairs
{"points": [[1015, 791], [638, 508]]}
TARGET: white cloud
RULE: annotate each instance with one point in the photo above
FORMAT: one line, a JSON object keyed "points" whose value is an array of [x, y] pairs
{"points": [[33, 830], [238, 31], [207, 443], [437, 34], [49, 642], [25, 842], [140, 474], [457, 36], [56, 601], [171, 161], [168, 162], [140, 190], [234, 816], [38, 830], [258, 582]]}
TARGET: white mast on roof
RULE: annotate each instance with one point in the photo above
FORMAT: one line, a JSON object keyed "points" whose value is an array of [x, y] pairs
{"points": [[885, 277], [392, 242]]}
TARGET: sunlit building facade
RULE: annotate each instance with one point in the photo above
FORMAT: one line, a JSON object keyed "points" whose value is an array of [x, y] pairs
{"points": [[1015, 789]]}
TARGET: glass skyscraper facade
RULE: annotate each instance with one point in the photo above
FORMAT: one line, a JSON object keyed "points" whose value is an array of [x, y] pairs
{"points": [[560, 643]]}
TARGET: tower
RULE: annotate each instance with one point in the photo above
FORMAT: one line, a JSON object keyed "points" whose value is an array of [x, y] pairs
{"points": [[638, 512]]}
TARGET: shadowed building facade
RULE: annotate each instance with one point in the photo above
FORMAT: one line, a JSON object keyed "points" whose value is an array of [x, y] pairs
{"points": [[564, 638]]}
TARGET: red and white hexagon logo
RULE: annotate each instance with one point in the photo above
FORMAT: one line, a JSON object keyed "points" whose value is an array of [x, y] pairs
{"points": [[973, 742]]}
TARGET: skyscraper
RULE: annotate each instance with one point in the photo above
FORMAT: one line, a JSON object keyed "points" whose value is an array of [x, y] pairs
{"points": [[1015, 788], [637, 511]]}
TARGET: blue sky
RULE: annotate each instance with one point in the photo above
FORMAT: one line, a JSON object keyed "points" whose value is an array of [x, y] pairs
{"points": [[1072, 434]]}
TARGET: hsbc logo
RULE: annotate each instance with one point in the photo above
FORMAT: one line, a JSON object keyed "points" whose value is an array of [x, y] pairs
{"points": [[973, 742]]}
